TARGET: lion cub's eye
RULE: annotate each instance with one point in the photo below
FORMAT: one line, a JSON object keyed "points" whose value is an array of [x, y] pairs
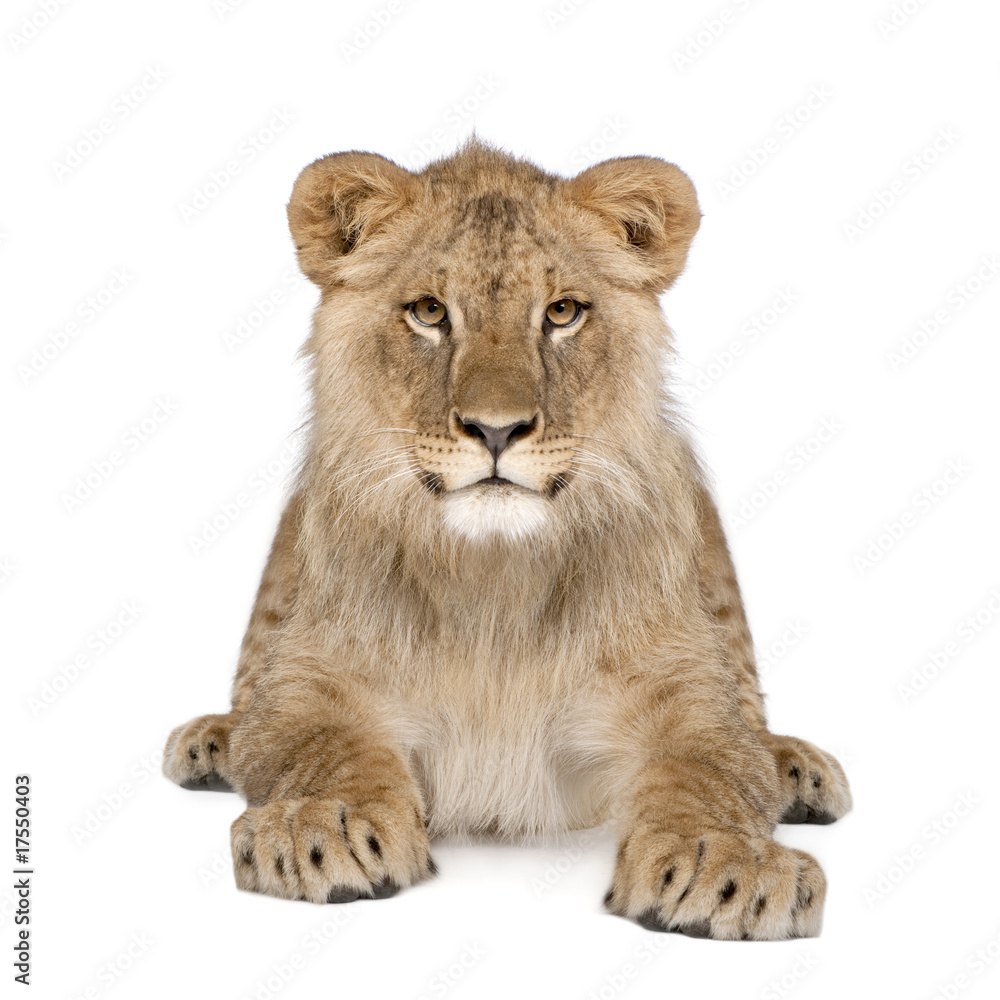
{"points": [[563, 312], [428, 311]]}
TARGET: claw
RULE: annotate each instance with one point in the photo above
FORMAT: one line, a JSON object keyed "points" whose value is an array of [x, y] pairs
{"points": [[650, 919], [698, 929], [342, 894], [384, 889], [799, 812]]}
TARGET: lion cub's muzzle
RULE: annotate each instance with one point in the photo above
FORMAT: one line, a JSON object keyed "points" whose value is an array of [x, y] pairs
{"points": [[487, 453]]}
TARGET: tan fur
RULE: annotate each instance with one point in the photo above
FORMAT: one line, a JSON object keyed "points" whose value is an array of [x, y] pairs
{"points": [[430, 654]]}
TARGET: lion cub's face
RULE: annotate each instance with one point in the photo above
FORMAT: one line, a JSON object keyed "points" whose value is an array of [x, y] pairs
{"points": [[498, 325], [505, 328]]}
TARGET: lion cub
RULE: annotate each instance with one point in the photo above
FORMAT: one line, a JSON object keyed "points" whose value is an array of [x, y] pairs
{"points": [[500, 600]]}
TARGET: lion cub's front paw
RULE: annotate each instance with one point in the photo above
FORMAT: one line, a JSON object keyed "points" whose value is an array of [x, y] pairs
{"points": [[719, 885], [196, 753], [813, 784], [328, 851]]}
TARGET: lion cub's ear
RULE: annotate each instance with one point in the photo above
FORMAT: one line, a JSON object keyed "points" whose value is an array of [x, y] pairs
{"points": [[338, 202], [651, 206]]}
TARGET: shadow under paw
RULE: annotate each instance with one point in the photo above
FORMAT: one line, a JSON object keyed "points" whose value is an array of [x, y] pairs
{"points": [[211, 782], [801, 812]]}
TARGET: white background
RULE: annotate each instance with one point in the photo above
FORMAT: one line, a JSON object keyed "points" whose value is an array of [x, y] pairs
{"points": [[126, 860]]}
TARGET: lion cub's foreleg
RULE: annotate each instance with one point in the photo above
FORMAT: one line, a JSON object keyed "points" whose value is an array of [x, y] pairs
{"points": [[334, 813], [196, 754], [698, 810]]}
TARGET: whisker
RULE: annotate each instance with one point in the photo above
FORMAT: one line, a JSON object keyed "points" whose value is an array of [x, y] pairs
{"points": [[362, 497], [388, 463], [357, 469], [589, 437], [623, 488], [606, 463], [598, 462]]}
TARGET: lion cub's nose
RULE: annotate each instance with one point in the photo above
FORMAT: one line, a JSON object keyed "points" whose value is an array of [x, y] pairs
{"points": [[497, 439]]}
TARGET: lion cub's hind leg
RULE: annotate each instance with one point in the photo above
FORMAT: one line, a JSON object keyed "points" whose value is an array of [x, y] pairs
{"points": [[813, 784], [196, 753]]}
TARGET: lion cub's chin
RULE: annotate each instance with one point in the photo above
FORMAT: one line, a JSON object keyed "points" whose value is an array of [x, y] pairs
{"points": [[482, 513]]}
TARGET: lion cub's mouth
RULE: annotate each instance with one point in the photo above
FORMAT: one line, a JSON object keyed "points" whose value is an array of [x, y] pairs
{"points": [[434, 482], [495, 507]]}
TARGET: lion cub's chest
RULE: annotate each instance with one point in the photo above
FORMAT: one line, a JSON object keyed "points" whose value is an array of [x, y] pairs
{"points": [[500, 752]]}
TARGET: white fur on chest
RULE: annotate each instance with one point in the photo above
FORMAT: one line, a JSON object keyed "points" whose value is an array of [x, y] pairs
{"points": [[502, 758]]}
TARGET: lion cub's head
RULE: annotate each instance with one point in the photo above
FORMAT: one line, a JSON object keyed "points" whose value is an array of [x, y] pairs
{"points": [[486, 354]]}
